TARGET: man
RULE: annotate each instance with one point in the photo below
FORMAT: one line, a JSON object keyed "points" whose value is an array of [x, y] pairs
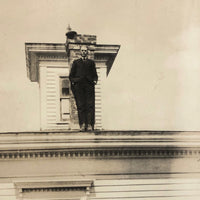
{"points": [[83, 77]]}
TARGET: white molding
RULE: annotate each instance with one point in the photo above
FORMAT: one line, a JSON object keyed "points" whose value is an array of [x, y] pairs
{"points": [[109, 145], [46, 186], [58, 74], [57, 52], [43, 103]]}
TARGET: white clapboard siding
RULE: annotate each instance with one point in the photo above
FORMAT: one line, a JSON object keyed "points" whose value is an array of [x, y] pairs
{"points": [[148, 189], [59, 198], [127, 188], [150, 198], [148, 194], [98, 97], [147, 181], [7, 191], [50, 97], [43, 87], [58, 127], [53, 97]]}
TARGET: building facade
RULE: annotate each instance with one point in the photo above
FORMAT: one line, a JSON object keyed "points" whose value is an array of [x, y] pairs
{"points": [[49, 65], [59, 163]]}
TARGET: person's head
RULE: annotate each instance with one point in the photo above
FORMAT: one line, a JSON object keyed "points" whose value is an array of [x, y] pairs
{"points": [[84, 51]]}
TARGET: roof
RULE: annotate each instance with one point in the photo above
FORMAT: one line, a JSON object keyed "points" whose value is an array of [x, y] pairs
{"points": [[58, 50]]}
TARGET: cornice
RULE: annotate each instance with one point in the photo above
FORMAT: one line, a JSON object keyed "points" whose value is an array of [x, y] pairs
{"points": [[107, 49], [57, 52], [100, 154], [56, 57], [68, 145], [55, 183]]}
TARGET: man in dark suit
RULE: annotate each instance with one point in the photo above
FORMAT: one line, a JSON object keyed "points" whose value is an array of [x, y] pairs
{"points": [[83, 77]]}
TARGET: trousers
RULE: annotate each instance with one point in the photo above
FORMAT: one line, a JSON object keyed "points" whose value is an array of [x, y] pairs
{"points": [[84, 93]]}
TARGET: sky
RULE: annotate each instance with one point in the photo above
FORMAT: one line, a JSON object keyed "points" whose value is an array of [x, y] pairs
{"points": [[154, 82]]}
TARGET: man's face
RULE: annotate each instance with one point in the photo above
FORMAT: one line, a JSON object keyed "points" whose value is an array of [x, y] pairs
{"points": [[84, 52]]}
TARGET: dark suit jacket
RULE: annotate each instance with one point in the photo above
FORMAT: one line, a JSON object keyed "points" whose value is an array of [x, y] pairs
{"points": [[83, 70]]}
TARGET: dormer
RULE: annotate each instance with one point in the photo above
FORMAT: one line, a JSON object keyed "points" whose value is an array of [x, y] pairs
{"points": [[49, 64]]}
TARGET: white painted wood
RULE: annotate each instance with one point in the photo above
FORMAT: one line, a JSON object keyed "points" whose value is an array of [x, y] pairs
{"points": [[60, 72], [56, 68], [51, 115], [98, 94], [6, 186], [64, 128], [144, 188], [103, 87], [50, 75], [147, 188], [6, 192], [53, 64], [50, 104], [147, 194], [51, 91], [8, 198], [59, 198], [151, 198], [146, 181], [98, 89], [43, 98], [50, 96]]}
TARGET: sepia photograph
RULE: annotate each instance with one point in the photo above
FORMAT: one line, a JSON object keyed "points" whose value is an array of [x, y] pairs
{"points": [[99, 99]]}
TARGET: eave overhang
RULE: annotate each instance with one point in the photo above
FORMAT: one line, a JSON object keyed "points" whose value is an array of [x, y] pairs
{"points": [[108, 52], [105, 53], [34, 50], [108, 144]]}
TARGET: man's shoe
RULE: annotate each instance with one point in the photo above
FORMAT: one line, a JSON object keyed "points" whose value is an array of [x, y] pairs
{"points": [[90, 128], [82, 128]]}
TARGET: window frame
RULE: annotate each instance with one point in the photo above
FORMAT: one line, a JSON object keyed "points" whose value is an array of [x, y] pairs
{"points": [[58, 96]]}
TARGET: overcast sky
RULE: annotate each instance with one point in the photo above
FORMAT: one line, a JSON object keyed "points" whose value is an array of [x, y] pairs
{"points": [[155, 80]]}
